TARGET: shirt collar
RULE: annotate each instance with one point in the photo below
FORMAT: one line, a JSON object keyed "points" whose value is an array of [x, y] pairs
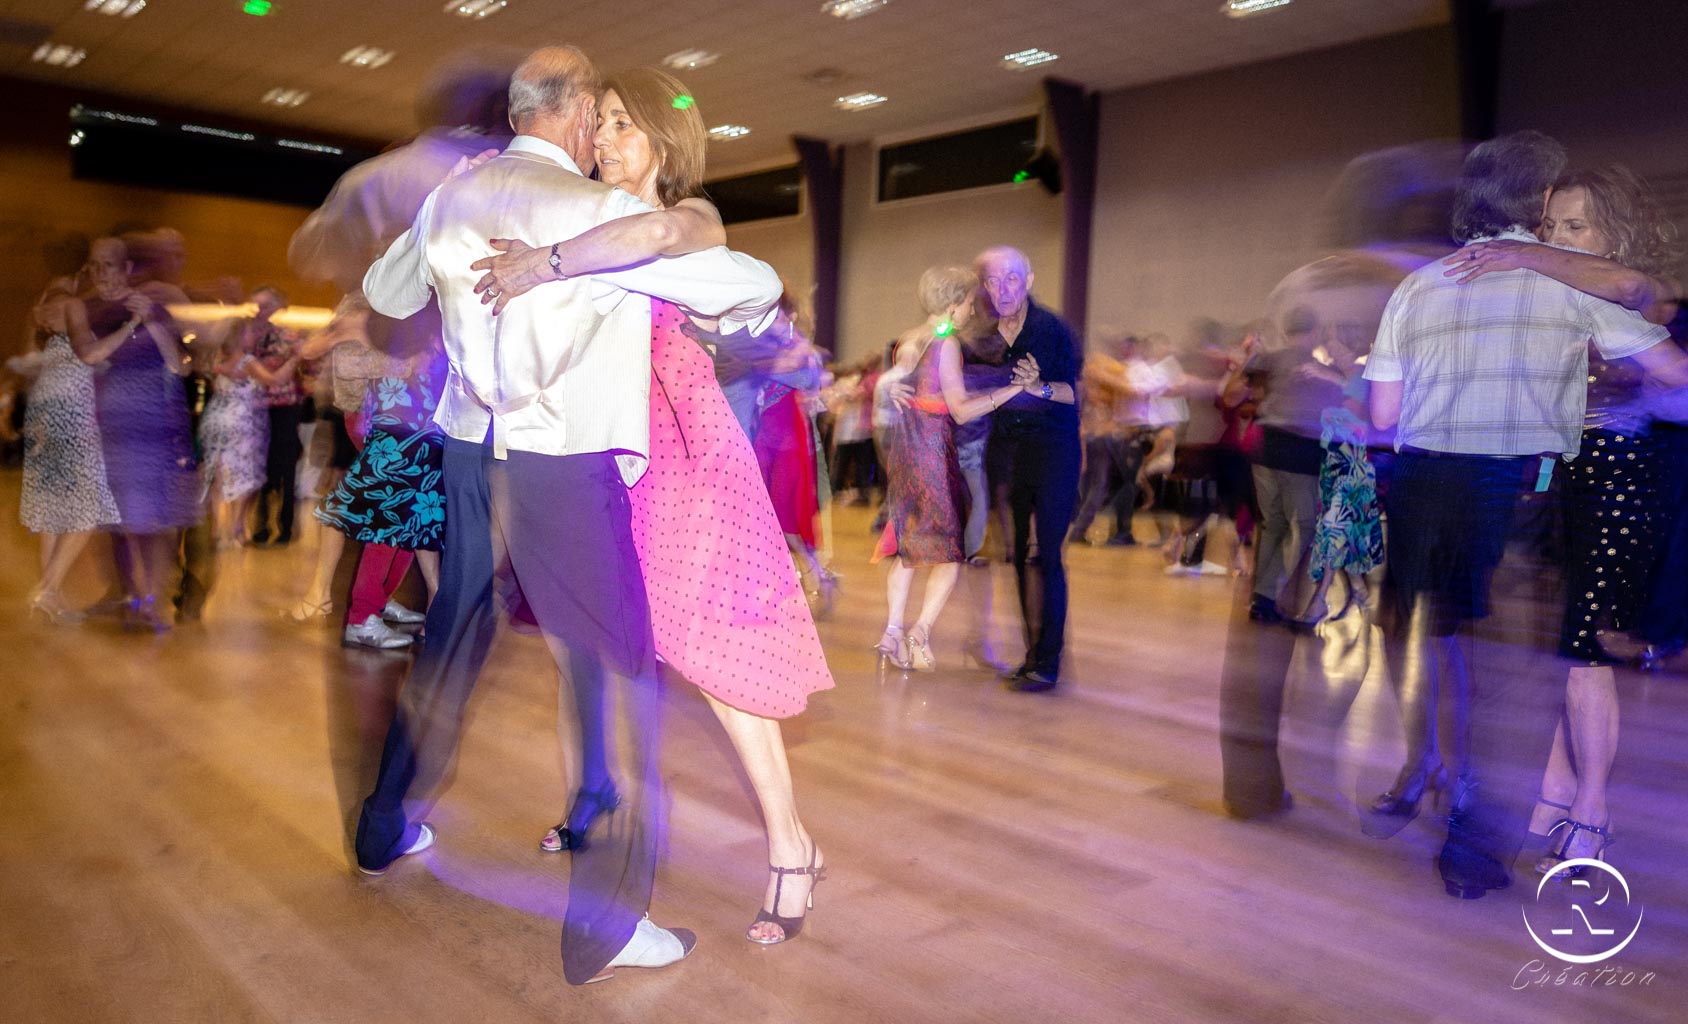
{"points": [[1511, 234], [539, 147]]}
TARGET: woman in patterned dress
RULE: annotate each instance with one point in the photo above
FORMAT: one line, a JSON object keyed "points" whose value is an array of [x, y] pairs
{"points": [[391, 499], [234, 431], [727, 608], [926, 497], [65, 494], [1615, 513]]}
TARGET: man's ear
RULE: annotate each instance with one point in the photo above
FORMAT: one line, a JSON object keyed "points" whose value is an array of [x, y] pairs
{"points": [[1030, 277]]}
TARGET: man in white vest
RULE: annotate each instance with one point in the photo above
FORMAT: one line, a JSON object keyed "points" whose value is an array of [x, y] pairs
{"points": [[546, 415]]}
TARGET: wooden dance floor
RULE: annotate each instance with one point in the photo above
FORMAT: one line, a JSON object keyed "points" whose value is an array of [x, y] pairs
{"points": [[173, 845]]}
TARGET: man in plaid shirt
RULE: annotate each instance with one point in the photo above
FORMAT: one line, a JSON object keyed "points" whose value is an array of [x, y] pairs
{"points": [[1486, 383]]}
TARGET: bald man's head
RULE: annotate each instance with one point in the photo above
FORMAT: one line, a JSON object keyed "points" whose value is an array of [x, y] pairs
{"points": [[553, 95], [1006, 276]]}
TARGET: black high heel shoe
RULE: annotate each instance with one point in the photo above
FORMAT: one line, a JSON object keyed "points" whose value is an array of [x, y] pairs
{"points": [[1395, 810], [565, 837], [789, 926]]}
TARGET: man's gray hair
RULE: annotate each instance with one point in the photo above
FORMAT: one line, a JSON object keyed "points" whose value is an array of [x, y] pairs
{"points": [[548, 81], [1504, 184]]}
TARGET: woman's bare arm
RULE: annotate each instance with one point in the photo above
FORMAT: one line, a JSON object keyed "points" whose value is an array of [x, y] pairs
{"points": [[690, 225], [1593, 275], [962, 407], [88, 347]]}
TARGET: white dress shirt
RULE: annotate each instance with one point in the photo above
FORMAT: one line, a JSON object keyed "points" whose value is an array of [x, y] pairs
{"points": [[566, 368]]}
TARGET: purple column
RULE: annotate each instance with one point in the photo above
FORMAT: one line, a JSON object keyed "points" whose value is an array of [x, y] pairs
{"points": [[1076, 116], [823, 173]]}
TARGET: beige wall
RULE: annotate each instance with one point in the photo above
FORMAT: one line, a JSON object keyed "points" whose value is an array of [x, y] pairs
{"points": [[888, 245], [1210, 187], [785, 244]]}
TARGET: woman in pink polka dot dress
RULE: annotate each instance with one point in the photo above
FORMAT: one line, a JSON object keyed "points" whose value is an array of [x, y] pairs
{"points": [[727, 608]]}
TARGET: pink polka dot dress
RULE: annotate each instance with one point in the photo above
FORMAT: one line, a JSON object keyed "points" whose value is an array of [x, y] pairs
{"points": [[727, 607]]}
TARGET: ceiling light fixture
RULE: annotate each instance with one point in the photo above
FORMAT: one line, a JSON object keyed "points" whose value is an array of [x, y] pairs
{"points": [[257, 8], [859, 101], [58, 55], [1244, 8], [312, 147], [286, 97], [850, 10], [366, 57], [1027, 59], [116, 8], [690, 60], [728, 132], [221, 133], [476, 9]]}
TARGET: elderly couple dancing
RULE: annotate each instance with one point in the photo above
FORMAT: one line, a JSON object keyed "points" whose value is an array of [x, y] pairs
{"points": [[593, 467]]}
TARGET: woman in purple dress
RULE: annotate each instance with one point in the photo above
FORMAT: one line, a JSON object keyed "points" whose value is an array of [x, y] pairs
{"points": [[145, 429]]}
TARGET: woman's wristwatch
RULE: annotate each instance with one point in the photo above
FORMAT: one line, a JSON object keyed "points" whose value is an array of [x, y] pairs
{"points": [[557, 263], [1047, 391]]}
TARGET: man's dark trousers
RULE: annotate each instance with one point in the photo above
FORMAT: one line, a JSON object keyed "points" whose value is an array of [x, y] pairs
{"points": [[559, 528], [1039, 467]]}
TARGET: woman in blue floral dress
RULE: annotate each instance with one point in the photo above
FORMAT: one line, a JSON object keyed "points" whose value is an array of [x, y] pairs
{"points": [[391, 499]]}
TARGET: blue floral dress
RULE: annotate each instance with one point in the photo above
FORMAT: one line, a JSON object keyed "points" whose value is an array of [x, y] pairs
{"points": [[392, 495], [1349, 535]]}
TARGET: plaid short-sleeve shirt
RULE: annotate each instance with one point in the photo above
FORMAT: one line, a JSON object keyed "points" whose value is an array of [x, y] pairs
{"points": [[1498, 366]]}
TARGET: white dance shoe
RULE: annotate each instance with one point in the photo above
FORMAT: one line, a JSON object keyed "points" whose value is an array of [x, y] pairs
{"points": [[377, 634], [650, 946], [395, 612]]}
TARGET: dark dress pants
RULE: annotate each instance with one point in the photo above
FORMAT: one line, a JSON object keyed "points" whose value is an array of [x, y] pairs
{"points": [[1110, 478], [559, 528], [281, 470], [1039, 470]]}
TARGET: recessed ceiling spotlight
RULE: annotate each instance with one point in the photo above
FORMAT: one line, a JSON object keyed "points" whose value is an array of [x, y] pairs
{"points": [[859, 101], [58, 55], [366, 57], [850, 10], [476, 9], [1244, 8], [286, 97], [1027, 59], [727, 132], [116, 8], [690, 60]]}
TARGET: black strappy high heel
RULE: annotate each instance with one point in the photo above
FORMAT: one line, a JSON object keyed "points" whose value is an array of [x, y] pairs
{"points": [[563, 837], [789, 926]]}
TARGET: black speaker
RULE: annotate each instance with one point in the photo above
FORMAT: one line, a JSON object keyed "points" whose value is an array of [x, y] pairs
{"points": [[1046, 168]]}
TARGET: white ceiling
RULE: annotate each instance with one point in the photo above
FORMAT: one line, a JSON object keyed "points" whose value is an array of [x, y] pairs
{"points": [[938, 61]]}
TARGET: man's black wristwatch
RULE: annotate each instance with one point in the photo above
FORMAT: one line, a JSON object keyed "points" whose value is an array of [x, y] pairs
{"points": [[557, 262]]}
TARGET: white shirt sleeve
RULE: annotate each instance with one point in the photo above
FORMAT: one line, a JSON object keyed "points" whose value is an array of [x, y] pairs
{"points": [[1384, 361], [1618, 332], [399, 283], [741, 290]]}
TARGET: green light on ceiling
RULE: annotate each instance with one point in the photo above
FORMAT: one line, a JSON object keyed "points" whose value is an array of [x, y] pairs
{"points": [[257, 8], [683, 102], [1020, 176]]}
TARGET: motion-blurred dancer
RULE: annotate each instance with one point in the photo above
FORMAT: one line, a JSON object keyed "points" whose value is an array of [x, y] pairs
{"points": [[1487, 384], [536, 485]]}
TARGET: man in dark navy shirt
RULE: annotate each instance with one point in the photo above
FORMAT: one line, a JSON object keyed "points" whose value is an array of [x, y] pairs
{"points": [[1034, 454]]}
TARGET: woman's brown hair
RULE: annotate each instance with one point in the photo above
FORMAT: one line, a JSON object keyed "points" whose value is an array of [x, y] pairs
{"points": [[1626, 210], [666, 112]]}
